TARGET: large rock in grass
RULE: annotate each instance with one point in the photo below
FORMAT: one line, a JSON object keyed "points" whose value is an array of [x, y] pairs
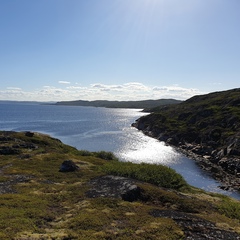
{"points": [[68, 166], [114, 186], [29, 134]]}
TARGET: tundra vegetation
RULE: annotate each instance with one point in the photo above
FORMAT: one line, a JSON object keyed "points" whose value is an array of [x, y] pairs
{"points": [[37, 201]]}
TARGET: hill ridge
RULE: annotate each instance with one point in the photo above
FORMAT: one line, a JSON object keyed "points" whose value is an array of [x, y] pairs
{"points": [[142, 104], [205, 127]]}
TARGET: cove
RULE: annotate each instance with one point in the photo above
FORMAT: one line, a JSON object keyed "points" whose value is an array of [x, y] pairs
{"points": [[96, 129]]}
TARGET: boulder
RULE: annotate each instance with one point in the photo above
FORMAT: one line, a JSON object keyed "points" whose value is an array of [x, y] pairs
{"points": [[115, 187], [29, 134], [68, 166]]}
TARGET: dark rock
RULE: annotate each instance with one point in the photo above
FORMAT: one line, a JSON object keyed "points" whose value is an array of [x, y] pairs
{"points": [[8, 186], [28, 146], [233, 152], [5, 139], [215, 169], [223, 163], [221, 153], [29, 134], [131, 194], [25, 145], [195, 227], [68, 166], [8, 151], [114, 186], [224, 187]]}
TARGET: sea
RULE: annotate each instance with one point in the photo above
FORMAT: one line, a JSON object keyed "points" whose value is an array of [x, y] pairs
{"points": [[103, 129]]}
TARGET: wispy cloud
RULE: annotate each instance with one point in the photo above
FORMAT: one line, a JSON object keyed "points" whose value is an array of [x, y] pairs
{"points": [[127, 91], [64, 82], [14, 88], [215, 83], [175, 91]]}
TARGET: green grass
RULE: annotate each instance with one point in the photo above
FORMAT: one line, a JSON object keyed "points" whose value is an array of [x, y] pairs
{"points": [[156, 174], [230, 209], [101, 154], [22, 212], [54, 205]]}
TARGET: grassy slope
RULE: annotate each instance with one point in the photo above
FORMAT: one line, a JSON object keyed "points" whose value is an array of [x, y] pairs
{"points": [[53, 205], [208, 119]]}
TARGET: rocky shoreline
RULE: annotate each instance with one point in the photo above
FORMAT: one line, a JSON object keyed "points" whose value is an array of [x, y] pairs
{"points": [[221, 166], [229, 180]]}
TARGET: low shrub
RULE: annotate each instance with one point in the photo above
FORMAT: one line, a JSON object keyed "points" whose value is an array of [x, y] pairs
{"points": [[155, 174], [105, 155], [84, 153]]}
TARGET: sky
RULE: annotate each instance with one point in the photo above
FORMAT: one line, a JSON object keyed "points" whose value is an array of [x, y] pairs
{"points": [[54, 50]]}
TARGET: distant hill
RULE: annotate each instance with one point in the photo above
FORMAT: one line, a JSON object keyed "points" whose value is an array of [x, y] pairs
{"points": [[19, 102], [146, 104], [207, 126]]}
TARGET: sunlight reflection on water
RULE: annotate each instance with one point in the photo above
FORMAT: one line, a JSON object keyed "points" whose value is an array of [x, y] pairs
{"points": [[97, 129], [139, 148]]}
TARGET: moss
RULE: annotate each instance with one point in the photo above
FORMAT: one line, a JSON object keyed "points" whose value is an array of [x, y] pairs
{"points": [[22, 212], [174, 200]]}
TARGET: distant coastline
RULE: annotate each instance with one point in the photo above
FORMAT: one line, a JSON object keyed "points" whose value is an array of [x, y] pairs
{"points": [[144, 104], [23, 102]]}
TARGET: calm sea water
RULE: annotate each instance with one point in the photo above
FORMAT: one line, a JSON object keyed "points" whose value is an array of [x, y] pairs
{"points": [[97, 129]]}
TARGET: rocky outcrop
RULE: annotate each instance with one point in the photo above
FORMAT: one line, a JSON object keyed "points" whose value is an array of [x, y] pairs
{"points": [[195, 227], [222, 162], [68, 166], [8, 150], [114, 186]]}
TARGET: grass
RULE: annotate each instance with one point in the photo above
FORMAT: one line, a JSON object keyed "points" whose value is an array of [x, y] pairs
{"points": [[230, 209], [53, 205], [201, 114], [159, 175], [22, 212]]}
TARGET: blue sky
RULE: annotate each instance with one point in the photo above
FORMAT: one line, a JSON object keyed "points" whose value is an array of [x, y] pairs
{"points": [[54, 50]]}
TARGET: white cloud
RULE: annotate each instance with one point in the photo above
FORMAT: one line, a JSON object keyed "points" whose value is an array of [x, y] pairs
{"points": [[175, 91], [98, 91], [64, 82], [136, 86], [215, 83], [14, 88]]}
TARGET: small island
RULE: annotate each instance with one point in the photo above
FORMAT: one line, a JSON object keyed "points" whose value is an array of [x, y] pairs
{"points": [[49, 190]]}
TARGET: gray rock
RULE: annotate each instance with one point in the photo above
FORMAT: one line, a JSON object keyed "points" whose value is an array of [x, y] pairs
{"points": [[68, 166], [114, 186]]}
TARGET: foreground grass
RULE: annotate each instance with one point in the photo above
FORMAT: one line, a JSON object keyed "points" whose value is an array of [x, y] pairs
{"points": [[53, 205]]}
